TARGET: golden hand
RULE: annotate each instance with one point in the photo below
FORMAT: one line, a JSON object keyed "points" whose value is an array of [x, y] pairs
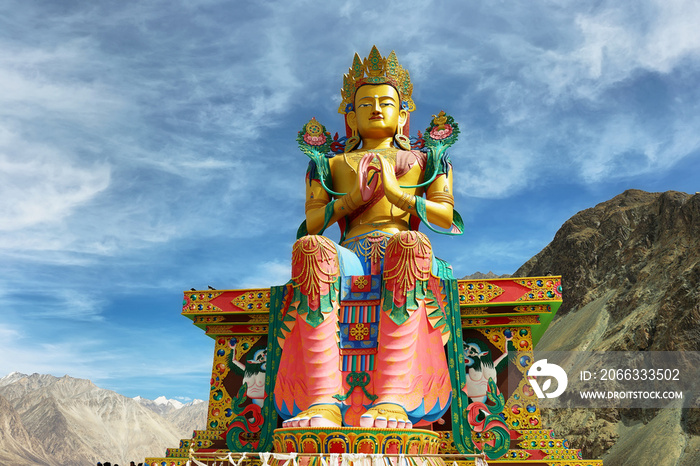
{"points": [[368, 175], [355, 198], [390, 184]]}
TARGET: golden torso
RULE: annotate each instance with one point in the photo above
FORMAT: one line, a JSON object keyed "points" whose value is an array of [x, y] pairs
{"points": [[376, 121], [380, 215]]}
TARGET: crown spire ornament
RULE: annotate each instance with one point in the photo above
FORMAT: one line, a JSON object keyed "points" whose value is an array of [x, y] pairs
{"points": [[376, 69]]}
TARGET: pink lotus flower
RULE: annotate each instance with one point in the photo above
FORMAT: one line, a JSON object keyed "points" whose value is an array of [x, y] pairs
{"points": [[314, 140], [440, 134]]}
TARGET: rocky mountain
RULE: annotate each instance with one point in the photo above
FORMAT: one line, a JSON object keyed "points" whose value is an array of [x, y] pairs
{"points": [[17, 446], [47, 420], [630, 271], [188, 418]]}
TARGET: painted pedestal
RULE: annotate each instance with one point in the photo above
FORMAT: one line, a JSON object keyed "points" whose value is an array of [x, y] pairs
{"points": [[501, 320]]}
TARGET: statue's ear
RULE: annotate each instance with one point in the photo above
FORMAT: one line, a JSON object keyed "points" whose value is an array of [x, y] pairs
{"points": [[351, 119], [403, 117]]}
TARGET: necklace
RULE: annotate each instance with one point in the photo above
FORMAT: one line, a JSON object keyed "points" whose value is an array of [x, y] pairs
{"points": [[352, 159]]}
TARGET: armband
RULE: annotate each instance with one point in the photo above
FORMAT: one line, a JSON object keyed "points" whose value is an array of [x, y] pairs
{"points": [[314, 204], [441, 196]]}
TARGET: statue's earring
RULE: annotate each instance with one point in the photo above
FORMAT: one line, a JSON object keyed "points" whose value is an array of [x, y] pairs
{"points": [[352, 142], [402, 140]]}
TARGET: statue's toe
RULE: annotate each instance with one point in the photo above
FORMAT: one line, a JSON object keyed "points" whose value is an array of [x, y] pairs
{"points": [[293, 422], [321, 415], [303, 422], [386, 415], [366, 420]]}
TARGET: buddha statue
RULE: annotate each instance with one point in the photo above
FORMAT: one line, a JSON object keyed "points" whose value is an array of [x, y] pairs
{"points": [[364, 332]]}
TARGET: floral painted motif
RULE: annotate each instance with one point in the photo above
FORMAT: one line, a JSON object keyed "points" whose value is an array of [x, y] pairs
{"points": [[442, 131], [313, 138], [314, 134]]}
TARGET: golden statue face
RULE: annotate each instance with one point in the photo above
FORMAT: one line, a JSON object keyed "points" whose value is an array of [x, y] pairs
{"points": [[378, 113]]}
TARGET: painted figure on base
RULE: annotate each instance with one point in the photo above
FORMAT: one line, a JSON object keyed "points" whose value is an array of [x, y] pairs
{"points": [[363, 334]]}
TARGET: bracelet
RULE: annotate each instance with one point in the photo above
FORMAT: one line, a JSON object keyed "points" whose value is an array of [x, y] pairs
{"points": [[347, 204], [405, 202]]}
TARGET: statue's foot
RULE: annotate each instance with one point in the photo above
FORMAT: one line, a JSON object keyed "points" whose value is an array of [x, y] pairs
{"points": [[321, 415], [386, 416]]}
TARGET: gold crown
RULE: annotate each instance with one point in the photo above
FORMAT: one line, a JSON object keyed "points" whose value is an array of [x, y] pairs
{"points": [[376, 69]]}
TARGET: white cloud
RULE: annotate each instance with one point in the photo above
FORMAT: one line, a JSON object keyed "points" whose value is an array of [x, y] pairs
{"points": [[617, 40], [494, 254], [492, 170], [8, 334], [39, 184], [267, 274], [41, 299], [69, 304], [654, 36], [575, 99], [621, 151], [29, 354]]}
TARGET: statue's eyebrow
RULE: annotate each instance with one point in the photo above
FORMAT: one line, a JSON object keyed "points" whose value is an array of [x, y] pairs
{"points": [[377, 97]]}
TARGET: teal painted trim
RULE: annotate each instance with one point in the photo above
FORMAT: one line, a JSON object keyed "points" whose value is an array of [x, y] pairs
{"points": [[461, 429], [422, 214]]}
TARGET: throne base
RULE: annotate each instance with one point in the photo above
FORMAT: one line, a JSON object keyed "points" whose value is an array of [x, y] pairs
{"points": [[343, 440]]}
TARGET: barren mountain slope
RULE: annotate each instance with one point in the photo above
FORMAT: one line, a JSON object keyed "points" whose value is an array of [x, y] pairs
{"points": [[189, 418], [17, 446], [630, 271]]}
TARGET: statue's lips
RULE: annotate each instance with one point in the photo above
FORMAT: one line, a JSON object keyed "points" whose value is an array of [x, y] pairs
{"points": [[379, 117]]}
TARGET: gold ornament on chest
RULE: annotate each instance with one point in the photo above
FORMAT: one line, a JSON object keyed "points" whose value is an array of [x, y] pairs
{"points": [[353, 158]]}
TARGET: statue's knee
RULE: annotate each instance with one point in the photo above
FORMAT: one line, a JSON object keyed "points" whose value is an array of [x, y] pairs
{"points": [[314, 251], [408, 251], [312, 243], [409, 242]]}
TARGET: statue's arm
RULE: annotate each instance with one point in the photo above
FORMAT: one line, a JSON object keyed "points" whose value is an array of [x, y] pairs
{"points": [[440, 200], [319, 205], [316, 200]]}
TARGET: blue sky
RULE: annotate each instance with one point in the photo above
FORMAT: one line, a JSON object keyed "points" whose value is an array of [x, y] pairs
{"points": [[149, 147]]}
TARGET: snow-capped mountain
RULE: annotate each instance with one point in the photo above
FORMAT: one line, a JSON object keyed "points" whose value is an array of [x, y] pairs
{"points": [[163, 405]]}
